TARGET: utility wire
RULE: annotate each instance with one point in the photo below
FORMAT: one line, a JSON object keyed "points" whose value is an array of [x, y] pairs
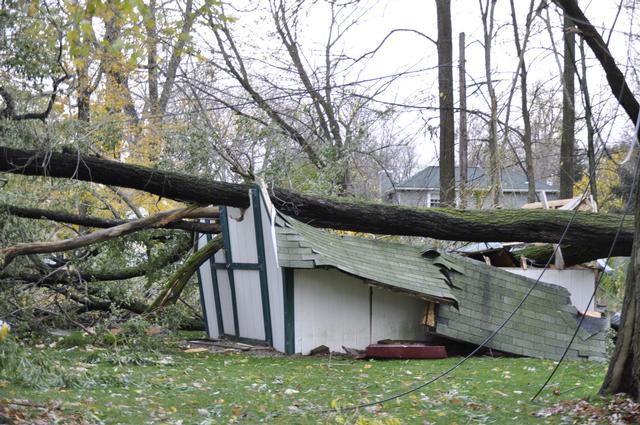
{"points": [[519, 305], [478, 348]]}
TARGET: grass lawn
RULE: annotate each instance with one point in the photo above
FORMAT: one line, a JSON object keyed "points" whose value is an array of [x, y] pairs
{"points": [[205, 388]]}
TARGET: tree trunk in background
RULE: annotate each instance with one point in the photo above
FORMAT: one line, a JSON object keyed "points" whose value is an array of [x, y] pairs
{"points": [[445, 86], [588, 117], [524, 104], [494, 154], [567, 144], [463, 162], [152, 58]]}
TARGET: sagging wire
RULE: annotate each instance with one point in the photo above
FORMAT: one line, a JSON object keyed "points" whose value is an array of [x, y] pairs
{"points": [[472, 353], [518, 306]]}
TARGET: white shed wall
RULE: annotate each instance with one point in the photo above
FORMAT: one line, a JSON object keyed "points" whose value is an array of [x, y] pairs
{"points": [[242, 234], [330, 308], [274, 279], [206, 283], [396, 316], [579, 282], [225, 302], [333, 308], [249, 304]]}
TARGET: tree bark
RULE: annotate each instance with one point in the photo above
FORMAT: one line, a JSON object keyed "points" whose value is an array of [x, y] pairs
{"points": [[623, 375], [151, 28], [463, 136], [567, 143], [619, 87], [587, 229], [445, 87]]}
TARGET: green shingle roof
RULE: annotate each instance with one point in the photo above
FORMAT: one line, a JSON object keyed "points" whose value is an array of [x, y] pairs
{"points": [[397, 266]]}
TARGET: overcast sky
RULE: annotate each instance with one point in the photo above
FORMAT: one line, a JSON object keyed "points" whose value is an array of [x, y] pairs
{"points": [[405, 51]]}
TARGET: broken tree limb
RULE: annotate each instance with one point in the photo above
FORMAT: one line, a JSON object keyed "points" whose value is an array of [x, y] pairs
{"points": [[172, 290], [159, 219], [615, 77], [64, 275], [587, 229], [103, 223]]}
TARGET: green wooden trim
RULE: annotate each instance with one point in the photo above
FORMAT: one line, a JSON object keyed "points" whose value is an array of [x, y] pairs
{"points": [[264, 283], [289, 319], [216, 290], [224, 220], [237, 266]]}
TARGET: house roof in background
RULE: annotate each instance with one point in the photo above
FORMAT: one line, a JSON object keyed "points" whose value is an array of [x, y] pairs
{"points": [[397, 266], [478, 178]]}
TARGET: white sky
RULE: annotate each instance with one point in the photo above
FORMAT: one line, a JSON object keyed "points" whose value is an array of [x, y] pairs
{"points": [[407, 51]]}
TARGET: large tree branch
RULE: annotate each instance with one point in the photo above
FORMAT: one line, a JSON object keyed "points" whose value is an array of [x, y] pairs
{"points": [[64, 275], [8, 254], [615, 77], [176, 57], [587, 229], [103, 223]]}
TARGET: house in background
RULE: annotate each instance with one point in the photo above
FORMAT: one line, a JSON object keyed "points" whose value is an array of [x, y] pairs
{"points": [[291, 286], [423, 188]]}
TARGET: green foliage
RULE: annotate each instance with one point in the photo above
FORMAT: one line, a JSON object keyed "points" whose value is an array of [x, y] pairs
{"points": [[75, 339], [174, 316], [612, 284], [31, 369]]}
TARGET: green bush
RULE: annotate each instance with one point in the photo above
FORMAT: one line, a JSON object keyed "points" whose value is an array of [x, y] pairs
{"points": [[75, 339]]}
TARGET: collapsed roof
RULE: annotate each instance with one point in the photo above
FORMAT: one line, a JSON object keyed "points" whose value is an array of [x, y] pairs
{"points": [[474, 298]]}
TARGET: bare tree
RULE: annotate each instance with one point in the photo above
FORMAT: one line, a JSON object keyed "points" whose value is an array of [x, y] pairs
{"points": [[524, 103], [588, 118], [463, 156], [567, 144], [488, 25]]}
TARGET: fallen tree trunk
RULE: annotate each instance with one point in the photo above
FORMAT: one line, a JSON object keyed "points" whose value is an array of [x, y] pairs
{"points": [[156, 220], [588, 229], [103, 223]]}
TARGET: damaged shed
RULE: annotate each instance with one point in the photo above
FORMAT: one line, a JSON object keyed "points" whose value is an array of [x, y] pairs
{"points": [[292, 286]]}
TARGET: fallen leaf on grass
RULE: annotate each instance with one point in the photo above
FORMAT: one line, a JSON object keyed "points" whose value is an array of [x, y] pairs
{"points": [[196, 350]]}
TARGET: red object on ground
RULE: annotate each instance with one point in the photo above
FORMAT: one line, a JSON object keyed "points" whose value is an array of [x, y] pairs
{"points": [[405, 351]]}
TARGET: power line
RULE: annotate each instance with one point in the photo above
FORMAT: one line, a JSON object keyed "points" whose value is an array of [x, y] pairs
{"points": [[526, 296]]}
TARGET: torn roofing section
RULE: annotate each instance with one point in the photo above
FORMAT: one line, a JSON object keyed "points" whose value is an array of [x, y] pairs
{"points": [[391, 265]]}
